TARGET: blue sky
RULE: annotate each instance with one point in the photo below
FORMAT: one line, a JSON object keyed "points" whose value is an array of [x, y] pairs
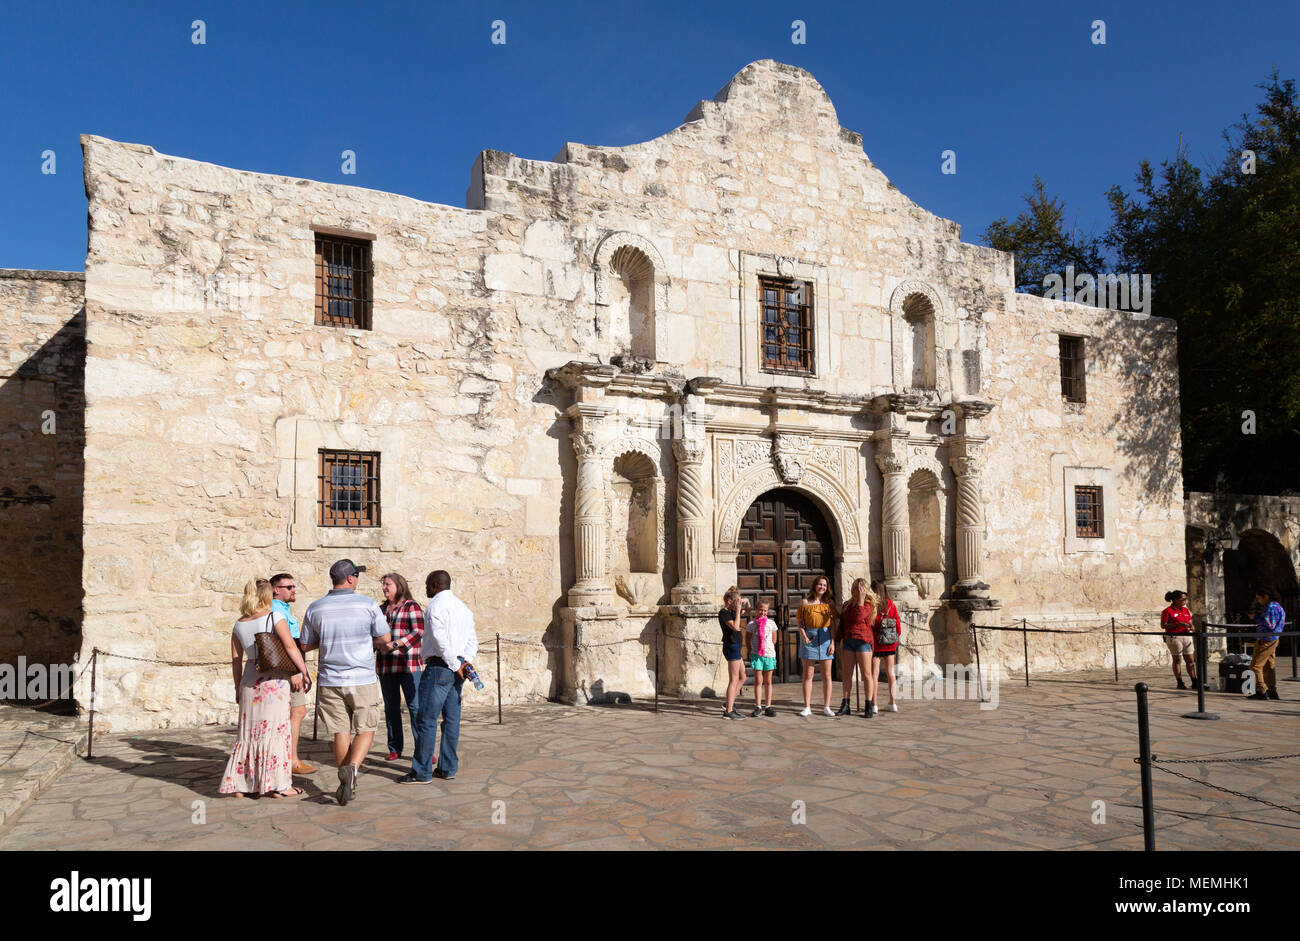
{"points": [[418, 90]]}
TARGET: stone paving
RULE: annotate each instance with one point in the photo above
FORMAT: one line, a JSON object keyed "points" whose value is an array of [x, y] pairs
{"points": [[939, 774], [35, 746]]}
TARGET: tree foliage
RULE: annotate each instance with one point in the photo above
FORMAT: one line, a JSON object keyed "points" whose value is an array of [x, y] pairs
{"points": [[1041, 243], [1222, 246]]}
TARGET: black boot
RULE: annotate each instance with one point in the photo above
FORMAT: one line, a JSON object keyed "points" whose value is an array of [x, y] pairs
{"points": [[1272, 694], [845, 708], [1181, 684]]}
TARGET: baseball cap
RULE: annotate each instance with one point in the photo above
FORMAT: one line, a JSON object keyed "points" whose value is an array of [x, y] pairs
{"points": [[344, 568]]}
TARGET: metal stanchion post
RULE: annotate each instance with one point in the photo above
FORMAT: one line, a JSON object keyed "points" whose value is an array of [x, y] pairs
{"points": [[500, 719], [979, 672], [1295, 642], [94, 672], [315, 704], [1198, 639], [658, 640], [1144, 761], [1024, 633], [1114, 649]]}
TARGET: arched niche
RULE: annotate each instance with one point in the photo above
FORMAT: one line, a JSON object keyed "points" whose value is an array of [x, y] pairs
{"points": [[919, 335], [634, 526], [632, 287], [926, 523]]}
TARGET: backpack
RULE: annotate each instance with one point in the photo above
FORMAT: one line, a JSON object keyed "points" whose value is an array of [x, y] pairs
{"points": [[887, 632]]}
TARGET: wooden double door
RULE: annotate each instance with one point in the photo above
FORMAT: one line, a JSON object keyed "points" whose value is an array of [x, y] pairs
{"points": [[784, 545]]}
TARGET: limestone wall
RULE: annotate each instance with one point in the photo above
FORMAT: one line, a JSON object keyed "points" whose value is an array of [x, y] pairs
{"points": [[41, 441], [209, 388], [1126, 436]]}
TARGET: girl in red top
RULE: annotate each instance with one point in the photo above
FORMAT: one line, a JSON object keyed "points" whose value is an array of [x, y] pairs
{"points": [[853, 637], [1176, 622], [888, 624]]}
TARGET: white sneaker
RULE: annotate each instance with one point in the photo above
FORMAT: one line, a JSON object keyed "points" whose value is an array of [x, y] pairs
{"points": [[874, 710], [893, 707], [828, 711], [806, 711]]}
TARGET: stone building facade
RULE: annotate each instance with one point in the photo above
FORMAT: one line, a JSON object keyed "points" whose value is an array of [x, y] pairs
{"points": [[614, 384]]}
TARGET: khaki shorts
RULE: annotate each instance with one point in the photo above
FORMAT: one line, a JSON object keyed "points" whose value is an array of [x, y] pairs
{"points": [[354, 709], [297, 698], [1180, 644]]}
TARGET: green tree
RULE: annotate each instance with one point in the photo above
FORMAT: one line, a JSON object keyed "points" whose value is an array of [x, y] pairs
{"points": [[1222, 247], [1223, 250], [1041, 243]]}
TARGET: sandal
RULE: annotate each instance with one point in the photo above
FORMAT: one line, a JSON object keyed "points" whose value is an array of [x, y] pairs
{"points": [[291, 792]]}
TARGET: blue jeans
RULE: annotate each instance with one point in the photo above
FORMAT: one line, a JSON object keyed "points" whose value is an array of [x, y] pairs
{"points": [[439, 697], [394, 686]]}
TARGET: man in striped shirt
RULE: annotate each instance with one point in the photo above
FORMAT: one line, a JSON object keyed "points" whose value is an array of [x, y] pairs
{"points": [[347, 628]]}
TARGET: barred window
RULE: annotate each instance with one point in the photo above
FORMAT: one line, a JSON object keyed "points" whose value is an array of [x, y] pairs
{"points": [[348, 488], [1072, 369], [1088, 513], [343, 282], [786, 324]]}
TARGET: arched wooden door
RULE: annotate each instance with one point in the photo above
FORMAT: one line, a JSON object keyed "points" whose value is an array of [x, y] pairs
{"points": [[784, 544]]}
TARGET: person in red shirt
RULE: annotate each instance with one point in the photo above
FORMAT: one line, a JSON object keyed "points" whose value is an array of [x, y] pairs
{"points": [[888, 631], [853, 637], [1176, 622]]}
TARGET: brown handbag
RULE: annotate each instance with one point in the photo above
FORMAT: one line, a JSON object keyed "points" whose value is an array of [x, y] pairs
{"points": [[272, 658]]}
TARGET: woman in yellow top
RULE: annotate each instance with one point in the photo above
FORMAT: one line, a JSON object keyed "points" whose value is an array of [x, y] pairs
{"points": [[816, 615]]}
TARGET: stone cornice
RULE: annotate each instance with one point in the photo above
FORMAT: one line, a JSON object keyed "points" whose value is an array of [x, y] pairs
{"points": [[579, 375]]}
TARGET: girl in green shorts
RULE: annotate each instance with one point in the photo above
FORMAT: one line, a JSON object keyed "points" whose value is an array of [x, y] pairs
{"points": [[762, 648]]}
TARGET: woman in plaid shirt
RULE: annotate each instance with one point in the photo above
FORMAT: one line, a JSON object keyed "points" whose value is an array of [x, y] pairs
{"points": [[399, 669]]}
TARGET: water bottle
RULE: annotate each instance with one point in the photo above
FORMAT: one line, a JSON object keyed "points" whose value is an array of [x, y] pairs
{"points": [[471, 674]]}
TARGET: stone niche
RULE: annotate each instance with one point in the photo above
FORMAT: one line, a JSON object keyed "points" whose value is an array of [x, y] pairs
{"points": [[636, 531]]}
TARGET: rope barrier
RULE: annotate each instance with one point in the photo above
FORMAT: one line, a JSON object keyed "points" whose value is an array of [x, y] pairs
{"points": [[1220, 761], [1155, 763]]}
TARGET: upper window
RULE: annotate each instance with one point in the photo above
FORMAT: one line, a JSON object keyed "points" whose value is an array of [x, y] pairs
{"points": [[348, 488], [343, 282], [1072, 369], [1088, 516], [786, 325]]}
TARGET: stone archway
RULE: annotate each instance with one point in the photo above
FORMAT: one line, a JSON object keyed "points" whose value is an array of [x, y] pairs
{"points": [[1259, 561], [785, 543]]}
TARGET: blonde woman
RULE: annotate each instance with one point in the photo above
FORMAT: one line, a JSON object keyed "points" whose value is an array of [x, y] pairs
{"points": [[815, 617], [855, 637], [262, 760]]}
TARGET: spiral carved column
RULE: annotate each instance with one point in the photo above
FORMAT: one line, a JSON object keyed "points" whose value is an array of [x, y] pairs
{"points": [[970, 526], [589, 525], [895, 537], [692, 525]]}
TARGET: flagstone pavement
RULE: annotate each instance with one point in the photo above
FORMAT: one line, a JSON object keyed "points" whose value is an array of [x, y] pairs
{"points": [[1040, 771]]}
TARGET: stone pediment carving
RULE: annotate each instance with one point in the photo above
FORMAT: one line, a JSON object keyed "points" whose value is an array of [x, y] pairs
{"points": [[744, 468]]}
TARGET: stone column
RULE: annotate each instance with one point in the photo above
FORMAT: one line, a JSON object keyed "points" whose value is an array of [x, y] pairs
{"points": [[895, 536], [970, 526], [692, 525], [592, 585]]}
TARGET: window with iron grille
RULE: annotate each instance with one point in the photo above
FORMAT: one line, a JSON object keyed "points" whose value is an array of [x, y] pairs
{"points": [[348, 488], [343, 282], [1088, 513], [1072, 369], [786, 325]]}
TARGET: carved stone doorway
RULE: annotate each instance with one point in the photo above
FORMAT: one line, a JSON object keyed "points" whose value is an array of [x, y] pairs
{"points": [[783, 545]]}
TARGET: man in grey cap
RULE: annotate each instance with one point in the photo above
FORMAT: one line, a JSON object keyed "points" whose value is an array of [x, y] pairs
{"points": [[347, 627]]}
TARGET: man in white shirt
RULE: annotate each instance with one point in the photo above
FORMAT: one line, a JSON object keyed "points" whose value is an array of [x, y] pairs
{"points": [[449, 647]]}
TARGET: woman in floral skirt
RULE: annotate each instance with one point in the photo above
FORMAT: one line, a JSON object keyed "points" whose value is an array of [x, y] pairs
{"points": [[261, 761]]}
